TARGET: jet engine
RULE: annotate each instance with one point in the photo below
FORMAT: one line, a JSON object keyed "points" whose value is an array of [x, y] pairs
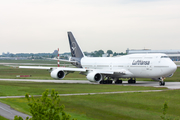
{"points": [[94, 77], [58, 74]]}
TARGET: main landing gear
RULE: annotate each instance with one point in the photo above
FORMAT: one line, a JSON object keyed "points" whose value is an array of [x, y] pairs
{"points": [[161, 82], [105, 82], [132, 81], [118, 81], [109, 80]]}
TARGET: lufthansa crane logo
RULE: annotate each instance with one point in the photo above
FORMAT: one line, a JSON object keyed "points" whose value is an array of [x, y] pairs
{"points": [[73, 48]]}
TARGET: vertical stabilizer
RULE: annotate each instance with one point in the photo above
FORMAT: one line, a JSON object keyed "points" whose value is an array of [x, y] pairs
{"points": [[75, 49]]}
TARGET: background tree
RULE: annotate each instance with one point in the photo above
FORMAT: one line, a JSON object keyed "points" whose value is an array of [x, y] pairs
{"points": [[115, 54], [101, 52], [55, 52], [97, 53], [109, 52], [46, 108]]}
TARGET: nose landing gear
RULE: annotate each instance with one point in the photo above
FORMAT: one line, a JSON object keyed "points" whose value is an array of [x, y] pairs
{"points": [[161, 82]]}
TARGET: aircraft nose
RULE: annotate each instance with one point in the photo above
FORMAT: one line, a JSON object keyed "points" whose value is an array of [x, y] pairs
{"points": [[173, 67]]}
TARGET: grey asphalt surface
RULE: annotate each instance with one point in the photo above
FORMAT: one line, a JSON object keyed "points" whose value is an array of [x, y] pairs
{"points": [[9, 113]]}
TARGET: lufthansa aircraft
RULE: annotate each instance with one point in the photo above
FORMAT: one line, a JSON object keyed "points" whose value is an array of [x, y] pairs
{"points": [[108, 69]]}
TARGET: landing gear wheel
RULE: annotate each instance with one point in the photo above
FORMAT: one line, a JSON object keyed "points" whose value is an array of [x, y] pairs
{"points": [[105, 82], [109, 82], [132, 81], [118, 82], [161, 83]]}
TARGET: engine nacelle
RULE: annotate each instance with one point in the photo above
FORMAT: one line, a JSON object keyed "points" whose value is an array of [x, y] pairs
{"points": [[94, 77], [58, 74]]}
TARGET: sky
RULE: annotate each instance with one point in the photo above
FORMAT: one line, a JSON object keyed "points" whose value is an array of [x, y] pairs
{"points": [[41, 26]]}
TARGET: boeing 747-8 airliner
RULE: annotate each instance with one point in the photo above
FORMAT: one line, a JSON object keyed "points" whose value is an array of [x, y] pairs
{"points": [[107, 69]]}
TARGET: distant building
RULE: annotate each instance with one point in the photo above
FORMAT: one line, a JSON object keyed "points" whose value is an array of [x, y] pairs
{"points": [[173, 54], [105, 55], [110, 55]]}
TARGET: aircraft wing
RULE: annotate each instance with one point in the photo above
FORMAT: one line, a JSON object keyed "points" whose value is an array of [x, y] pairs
{"points": [[110, 72], [36, 67], [49, 68]]}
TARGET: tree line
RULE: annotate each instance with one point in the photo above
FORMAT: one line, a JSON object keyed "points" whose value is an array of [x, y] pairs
{"points": [[100, 53], [97, 53]]}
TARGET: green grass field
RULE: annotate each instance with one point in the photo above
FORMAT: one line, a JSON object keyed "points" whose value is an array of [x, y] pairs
{"points": [[8, 72], [126, 106], [90, 107], [11, 88], [2, 118]]}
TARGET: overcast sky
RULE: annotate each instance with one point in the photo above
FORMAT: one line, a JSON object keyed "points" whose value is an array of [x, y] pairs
{"points": [[40, 26]]}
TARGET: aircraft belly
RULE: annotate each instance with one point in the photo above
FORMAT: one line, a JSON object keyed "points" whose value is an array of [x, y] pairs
{"points": [[120, 76]]}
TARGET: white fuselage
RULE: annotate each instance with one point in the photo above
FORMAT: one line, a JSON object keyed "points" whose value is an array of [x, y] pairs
{"points": [[138, 65]]}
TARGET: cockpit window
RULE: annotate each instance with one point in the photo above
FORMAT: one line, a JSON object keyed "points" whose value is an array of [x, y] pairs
{"points": [[164, 57]]}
